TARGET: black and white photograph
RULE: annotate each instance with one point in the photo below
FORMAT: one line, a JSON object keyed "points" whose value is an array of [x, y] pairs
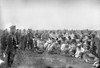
{"points": [[49, 33]]}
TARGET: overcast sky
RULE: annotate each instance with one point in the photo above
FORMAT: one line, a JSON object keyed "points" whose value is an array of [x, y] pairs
{"points": [[50, 14]]}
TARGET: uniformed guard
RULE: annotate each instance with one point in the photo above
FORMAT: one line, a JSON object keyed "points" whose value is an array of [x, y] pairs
{"points": [[11, 46]]}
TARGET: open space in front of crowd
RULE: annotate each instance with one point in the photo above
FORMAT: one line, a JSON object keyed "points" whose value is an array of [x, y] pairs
{"points": [[28, 59]]}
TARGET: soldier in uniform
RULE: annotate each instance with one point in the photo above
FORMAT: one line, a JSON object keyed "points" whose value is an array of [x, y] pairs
{"points": [[11, 46]]}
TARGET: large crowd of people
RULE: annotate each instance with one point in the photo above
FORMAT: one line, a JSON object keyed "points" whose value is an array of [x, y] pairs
{"points": [[84, 45]]}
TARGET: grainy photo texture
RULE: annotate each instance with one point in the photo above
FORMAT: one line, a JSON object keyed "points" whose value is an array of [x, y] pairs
{"points": [[49, 33]]}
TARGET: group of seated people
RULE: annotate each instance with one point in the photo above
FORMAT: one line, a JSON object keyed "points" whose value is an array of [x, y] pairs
{"points": [[84, 45]]}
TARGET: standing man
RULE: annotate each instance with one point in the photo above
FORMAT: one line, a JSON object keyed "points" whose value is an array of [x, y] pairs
{"points": [[30, 39], [18, 35], [23, 40], [4, 41], [11, 45], [96, 42]]}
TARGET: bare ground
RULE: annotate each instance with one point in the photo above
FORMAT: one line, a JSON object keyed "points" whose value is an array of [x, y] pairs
{"points": [[28, 59]]}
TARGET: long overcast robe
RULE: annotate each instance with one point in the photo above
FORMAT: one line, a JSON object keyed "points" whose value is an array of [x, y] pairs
{"points": [[23, 41], [11, 45]]}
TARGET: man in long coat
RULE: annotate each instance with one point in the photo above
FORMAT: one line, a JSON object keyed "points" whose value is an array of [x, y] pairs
{"points": [[18, 35], [30, 39], [23, 40], [11, 46]]}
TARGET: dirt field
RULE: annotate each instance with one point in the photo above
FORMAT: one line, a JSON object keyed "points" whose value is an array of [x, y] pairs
{"points": [[28, 59]]}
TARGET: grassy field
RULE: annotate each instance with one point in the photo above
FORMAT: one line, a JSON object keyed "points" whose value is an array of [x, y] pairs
{"points": [[29, 59]]}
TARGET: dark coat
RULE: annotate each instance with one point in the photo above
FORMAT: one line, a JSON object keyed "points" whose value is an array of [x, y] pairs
{"points": [[11, 42], [23, 41], [3, 42], [18, 35], [30, 41]]}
